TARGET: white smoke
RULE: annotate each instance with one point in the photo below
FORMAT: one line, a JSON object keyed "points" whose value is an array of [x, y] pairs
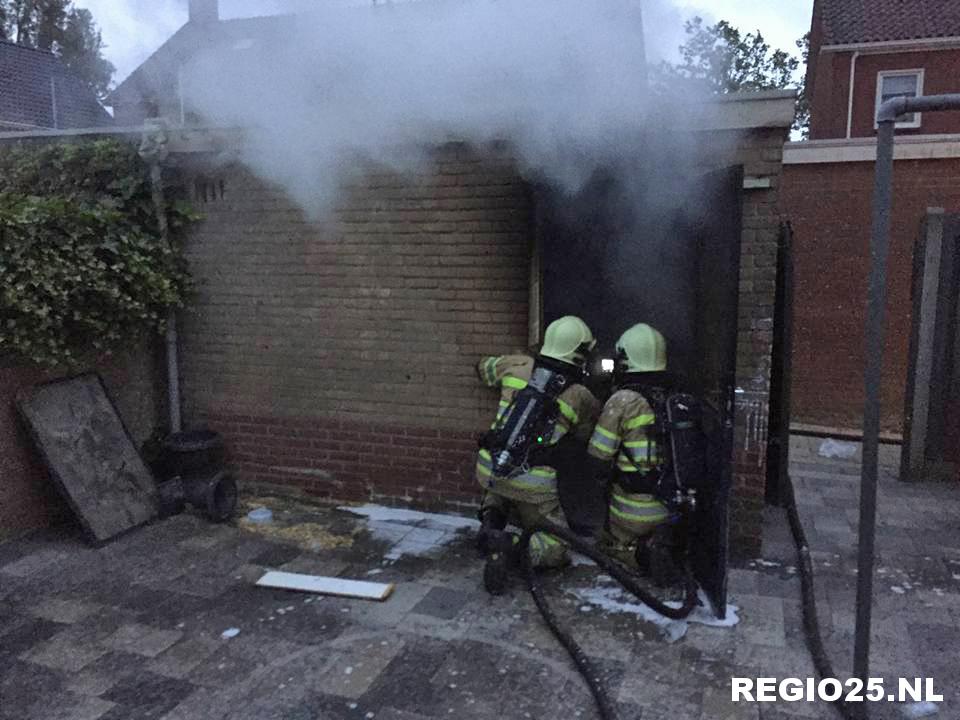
{"points": [[563, 81]]}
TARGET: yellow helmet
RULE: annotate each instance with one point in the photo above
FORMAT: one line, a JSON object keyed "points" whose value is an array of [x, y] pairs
{"points": [[568, 340], [644, 348]]}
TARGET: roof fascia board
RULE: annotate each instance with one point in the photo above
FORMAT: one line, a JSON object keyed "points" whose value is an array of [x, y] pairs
{"points": [[893, 46], [179, 140], [750, 110]]}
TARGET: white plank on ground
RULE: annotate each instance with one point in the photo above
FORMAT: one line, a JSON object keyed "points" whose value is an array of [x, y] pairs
{"points": [[326, 585]]}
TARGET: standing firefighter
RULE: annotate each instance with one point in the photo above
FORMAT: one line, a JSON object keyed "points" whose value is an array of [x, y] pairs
{"points": [[641, 426], [543, 409]]}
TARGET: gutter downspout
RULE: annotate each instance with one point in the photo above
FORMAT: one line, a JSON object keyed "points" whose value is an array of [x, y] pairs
{"points": [[153, 149], [853, 80]]}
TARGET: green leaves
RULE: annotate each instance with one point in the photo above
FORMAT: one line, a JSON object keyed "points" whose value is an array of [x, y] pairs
{"points": [[67, 31], [83, 268], [721, 59], [730, 61]]}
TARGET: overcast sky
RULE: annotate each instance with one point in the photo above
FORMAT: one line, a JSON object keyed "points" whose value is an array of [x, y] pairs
{"points": [[132, 29]]}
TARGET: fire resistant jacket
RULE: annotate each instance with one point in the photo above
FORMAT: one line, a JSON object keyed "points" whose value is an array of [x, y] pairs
{"points": [[578, 410], [624, 434]]}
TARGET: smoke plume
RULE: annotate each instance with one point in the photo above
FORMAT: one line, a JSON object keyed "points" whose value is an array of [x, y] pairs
{"points": [[563, 81]]}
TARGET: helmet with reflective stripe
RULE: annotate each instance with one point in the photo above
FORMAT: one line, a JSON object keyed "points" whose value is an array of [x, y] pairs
{"points": [[568, 340], [644, 348]]}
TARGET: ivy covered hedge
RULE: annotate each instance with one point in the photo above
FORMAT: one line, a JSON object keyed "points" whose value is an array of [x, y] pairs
{"points": [[83, 267]]}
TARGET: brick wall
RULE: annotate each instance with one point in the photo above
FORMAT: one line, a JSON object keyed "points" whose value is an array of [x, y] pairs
{"points": [[761, 154], [830, 97], [829, 206], [338, 356], [28, 499]]}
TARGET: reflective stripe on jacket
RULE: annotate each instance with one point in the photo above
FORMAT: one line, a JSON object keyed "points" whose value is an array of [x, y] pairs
{"points": [[578, 409], [625, 433]]}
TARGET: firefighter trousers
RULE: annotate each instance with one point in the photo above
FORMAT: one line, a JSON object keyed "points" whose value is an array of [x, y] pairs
{"points": [[546, 551]]}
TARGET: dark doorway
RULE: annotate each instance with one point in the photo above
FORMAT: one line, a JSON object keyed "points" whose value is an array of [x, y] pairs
{"points": [[617, 254], [931, 448]]}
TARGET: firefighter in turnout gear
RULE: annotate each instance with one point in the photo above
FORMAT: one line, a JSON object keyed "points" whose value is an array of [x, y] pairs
{"points": [[629, 451], [545, 390]]}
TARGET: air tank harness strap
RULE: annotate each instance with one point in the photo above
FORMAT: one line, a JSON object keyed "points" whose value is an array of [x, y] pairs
{"points": [[566, 410]]}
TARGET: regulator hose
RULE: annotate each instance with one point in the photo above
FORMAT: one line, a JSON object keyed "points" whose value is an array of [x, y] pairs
{"points": [[587, 669], [811, 624]]}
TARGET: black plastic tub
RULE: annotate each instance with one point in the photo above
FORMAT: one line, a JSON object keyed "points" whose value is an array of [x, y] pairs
{"points": [[194, 453]]}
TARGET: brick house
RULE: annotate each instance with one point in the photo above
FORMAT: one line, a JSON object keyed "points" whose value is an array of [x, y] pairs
{"points": [[861, 53], [38, 92], [337, 356]]}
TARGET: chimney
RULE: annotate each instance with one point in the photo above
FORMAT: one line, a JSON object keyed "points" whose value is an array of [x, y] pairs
{"points": [[204, 12]]}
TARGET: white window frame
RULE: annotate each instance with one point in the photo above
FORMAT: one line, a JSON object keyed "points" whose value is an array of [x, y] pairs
{"points": [[917, 117]]}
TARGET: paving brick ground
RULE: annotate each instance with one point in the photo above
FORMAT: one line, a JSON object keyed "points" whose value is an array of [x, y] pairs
{"points": [[134, 629]]}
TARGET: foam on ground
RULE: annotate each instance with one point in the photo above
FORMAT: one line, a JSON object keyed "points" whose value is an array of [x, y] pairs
{"points": [[411, 532], [613, 599]]}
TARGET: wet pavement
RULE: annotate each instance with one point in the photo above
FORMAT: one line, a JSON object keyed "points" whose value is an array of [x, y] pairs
{"points": [[166, 622]]}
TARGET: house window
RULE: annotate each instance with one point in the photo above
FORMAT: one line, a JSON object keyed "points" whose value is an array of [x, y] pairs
{"points": [[900, 83]]}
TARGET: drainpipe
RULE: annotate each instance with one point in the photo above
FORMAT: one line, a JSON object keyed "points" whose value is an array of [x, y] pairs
{"points": [[853, 80], [153, 149]]}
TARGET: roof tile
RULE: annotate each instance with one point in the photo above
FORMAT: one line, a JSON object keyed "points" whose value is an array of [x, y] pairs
{"points": [[33, 83], [864, 21]]}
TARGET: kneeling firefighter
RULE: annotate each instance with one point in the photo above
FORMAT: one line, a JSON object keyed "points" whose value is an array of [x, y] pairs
{"points": [[648, 451], [544, 411]]}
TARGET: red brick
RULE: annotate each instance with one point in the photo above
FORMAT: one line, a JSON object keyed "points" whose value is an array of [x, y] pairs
{"points": [[829, 206]]}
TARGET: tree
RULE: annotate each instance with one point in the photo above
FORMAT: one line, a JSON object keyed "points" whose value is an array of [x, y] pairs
{"points": [[802, 120], [723, 60], [68, 32]]}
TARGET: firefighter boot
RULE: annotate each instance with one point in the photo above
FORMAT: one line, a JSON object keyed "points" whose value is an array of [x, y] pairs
{"points": [[666, 557], [501, 560], [641, 556], [492, 521]]}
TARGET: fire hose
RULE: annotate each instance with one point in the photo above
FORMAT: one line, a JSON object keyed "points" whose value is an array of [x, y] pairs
{"points": [[618, 572], [628, 581], [811, 624]]}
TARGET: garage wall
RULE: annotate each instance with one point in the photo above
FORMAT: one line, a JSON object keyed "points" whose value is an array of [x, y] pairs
{"points": [[338, 356]]}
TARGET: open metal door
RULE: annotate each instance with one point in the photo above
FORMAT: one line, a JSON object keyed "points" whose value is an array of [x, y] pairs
{"points": [[616, 256], [717, 228]]}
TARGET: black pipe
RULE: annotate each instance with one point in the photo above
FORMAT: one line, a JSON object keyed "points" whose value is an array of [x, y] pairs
{"points": [[811, 623], [586, 667], [621, 575], [617, 571]]}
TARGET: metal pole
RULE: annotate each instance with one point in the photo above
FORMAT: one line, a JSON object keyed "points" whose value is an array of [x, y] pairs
{"points": [[879, 247], [153, 149], [171, 337]]}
